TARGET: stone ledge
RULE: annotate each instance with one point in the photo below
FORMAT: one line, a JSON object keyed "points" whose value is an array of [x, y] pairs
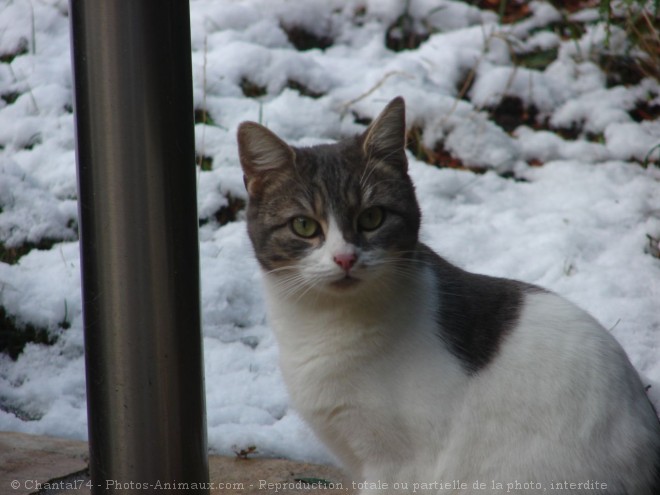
{"points": [[47, 465]]}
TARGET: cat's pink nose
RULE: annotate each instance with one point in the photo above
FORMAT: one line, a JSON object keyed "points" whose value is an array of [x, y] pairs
{"points": [[345, 260]]}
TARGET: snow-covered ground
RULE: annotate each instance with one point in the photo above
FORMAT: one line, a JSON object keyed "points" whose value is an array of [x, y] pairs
{"points": [[582, 217]]}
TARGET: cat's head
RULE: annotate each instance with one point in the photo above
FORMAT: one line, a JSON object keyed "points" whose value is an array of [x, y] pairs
{"points": [[335, 218]]}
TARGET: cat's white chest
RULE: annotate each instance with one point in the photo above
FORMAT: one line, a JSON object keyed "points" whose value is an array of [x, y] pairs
{"points": [[358, 369]]}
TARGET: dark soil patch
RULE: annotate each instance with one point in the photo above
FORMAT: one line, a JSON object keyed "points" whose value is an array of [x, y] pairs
{"points": [[405, 34], [304, 39], [11, 255], [252, 89], [21, 49], [359, 119], [437, 156], [14, 336], [303, 90], [227, 213], [202, 116], [509, 10], [621, 70], [204, 162], [511, 112], [10, 97], [645, 111]]}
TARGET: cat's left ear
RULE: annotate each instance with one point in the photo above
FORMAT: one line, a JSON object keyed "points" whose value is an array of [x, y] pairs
{"points": [[386, 136], [261, 152]]}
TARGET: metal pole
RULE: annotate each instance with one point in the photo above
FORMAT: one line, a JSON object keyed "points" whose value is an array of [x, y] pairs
{"points": [[139, 243]]}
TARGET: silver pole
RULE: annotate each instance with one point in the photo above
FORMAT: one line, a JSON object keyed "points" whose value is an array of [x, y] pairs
{"points": [[139, 243]]}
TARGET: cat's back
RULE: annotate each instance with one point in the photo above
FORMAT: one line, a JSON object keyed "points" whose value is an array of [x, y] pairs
{"points": [[485, 319], [546, 379]]}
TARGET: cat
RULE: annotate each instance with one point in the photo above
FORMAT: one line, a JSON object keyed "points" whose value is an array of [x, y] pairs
{"points": [[417, 375]]}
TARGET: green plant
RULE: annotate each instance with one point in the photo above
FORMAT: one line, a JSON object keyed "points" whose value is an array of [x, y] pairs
{"points": [[648, 159], [639, 19]]}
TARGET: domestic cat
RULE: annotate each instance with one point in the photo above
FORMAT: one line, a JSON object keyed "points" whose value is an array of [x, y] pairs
{"points": [[417, 375]]}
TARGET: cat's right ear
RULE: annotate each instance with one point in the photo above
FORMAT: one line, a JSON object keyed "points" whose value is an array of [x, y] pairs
{"points": [[261, 152], [386, 136]]}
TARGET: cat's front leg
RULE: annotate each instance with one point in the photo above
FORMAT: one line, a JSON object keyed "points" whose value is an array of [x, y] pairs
{"points": [[392, 480], [378, 487]]}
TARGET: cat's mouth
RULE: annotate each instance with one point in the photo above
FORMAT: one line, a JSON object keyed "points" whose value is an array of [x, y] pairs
{"points": [[345, 282]]}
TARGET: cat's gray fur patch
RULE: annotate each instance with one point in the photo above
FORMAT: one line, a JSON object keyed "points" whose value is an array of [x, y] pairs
{"points": [[476, 312]]}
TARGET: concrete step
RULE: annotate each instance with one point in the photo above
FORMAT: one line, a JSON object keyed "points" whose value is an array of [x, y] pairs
{"points": [[31, 464]]}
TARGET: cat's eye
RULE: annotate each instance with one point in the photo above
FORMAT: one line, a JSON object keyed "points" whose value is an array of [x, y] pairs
{"points": [[371, 218], [305, 227]]}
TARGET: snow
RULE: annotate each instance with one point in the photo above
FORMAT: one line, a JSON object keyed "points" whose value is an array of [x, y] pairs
{"points": [[579, 224]]}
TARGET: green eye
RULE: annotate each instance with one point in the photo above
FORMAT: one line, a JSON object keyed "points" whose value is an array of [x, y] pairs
{"points": [[305, 227], [371, 218]]}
